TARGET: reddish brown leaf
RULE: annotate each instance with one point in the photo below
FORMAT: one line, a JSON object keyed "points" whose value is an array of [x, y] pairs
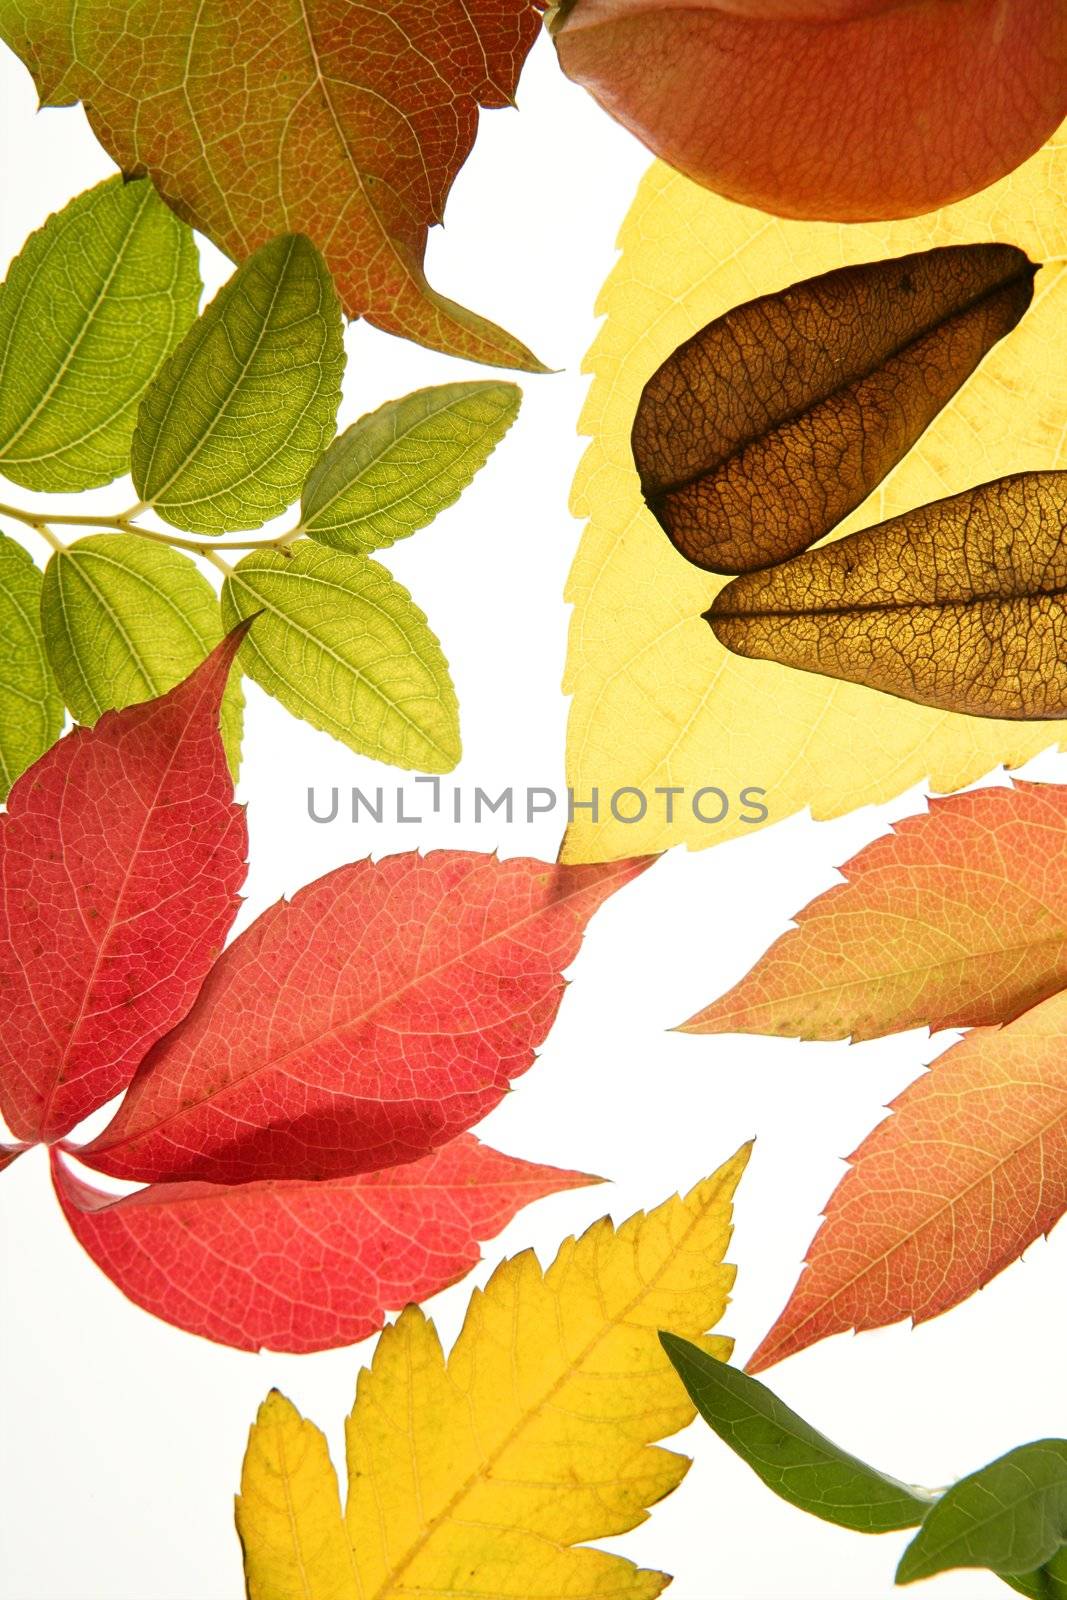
{"points": [[948, 1191], [958, 918], [959, 604], [10, 1153], [302, 1266], [298, 116], [822, 108], [121, 855], [761, 432], [366, 1022]]}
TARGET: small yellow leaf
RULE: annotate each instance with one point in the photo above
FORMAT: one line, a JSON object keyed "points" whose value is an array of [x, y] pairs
{"points": [[478, 1474], [658, 701]]}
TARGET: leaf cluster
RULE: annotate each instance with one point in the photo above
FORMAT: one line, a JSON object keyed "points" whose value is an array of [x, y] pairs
{"points": [[224, 421], [1009, 1516], [296, 1108]]}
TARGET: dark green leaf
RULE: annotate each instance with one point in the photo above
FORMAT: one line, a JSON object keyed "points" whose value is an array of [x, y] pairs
{"points": [[787, 1453]]}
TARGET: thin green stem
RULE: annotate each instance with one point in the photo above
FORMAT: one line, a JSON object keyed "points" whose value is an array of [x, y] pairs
{"points": [[125, 524]]}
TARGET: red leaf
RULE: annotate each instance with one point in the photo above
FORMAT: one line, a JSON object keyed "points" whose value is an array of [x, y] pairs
{"points": [[838, 109], [382, 1011], [301, 1266], [121, 855], [944, 1194], [10, 1153]]}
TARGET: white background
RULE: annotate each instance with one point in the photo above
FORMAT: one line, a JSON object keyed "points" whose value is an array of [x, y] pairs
{"points": [[122, 1437]]}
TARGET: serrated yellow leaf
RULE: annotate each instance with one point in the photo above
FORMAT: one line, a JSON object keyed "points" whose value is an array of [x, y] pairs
{"points": [[478, 1474], [657, 700]]}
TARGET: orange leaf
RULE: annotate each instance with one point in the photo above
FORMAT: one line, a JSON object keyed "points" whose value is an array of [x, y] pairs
{"points": [[298, 116], [958, 918], [945, 1193], [841, 109]]}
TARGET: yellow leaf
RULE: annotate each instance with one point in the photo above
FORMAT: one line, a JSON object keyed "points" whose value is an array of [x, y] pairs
{"points": [[477, 1475], [657, 700]]}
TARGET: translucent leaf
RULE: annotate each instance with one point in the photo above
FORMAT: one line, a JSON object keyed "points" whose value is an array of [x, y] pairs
{"points": [[343, 645], [93, 304], [31, 711], [247, 403], [393, 471], [126, 619]]}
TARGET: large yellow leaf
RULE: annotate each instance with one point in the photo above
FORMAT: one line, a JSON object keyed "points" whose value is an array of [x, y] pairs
{"points": [[657, 700], [477, 1475]]}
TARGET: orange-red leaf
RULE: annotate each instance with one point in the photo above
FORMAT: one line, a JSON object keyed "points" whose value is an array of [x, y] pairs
{"points": [[121, 855], [297, 116], [958, 918], [302, 1266], [970, 1168], [825, 108], [379, 1013]]}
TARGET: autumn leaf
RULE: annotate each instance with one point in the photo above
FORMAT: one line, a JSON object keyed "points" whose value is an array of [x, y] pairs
{"points": [[532, 1437], [266, 120], [301, 1266], [958, 918], [128, 834], [657, 701], [958, 604], [969, 1169], [766, 428], [377, 1014], [840, 109]]}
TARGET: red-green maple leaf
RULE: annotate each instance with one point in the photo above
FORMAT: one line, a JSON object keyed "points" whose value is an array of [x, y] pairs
{"points": [[342, 122], [970, 1168], [380, 1012], [121, 855], [300, 1265]]}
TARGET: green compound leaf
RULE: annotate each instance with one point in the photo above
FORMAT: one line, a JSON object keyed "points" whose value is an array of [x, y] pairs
{"points": [[92, 306], [31, 711], [794, 1460], [248, 402], [392, 472], [343, 645], [125, 620], [1010, 1516]]}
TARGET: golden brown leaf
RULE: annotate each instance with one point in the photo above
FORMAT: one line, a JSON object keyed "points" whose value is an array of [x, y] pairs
{"points": [[759, 433], [959, 604]]}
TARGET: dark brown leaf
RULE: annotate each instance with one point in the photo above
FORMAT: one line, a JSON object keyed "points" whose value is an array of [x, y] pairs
{"points": [[959, 604], [771, 424]]}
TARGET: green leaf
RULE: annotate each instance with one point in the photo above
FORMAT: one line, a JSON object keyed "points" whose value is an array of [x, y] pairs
{"points": [[786, 1452], [31, 711], [1010, 1516], [92, 306], [248, 402], [342, 645], [1048, 1582], [126, 619], [394, 470]]}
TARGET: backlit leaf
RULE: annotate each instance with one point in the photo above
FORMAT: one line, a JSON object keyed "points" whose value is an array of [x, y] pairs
{"points": [[125, 620], [340, 643], [31, 711], [394, 470], [364, 1023], [303, 1266], [657, 701], [1010, 1516], [482, 1472], [958, 918], [93, 304], [128, 834], [243, 409], [970, 1168], [794, 1460], [763, 430], [958, 605], [296, 117], [843, 109]]}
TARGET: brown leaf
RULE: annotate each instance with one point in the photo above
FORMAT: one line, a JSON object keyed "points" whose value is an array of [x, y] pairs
{"points": [[959, 604], [771, 424]]}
